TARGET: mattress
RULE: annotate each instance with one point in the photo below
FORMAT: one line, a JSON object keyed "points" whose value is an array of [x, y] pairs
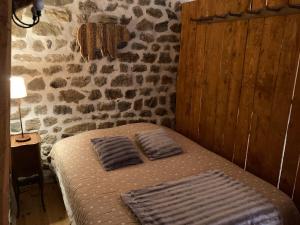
{"points": [[92, 195]]}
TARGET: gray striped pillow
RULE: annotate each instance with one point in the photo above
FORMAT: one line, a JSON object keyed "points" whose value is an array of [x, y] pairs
{"points": [[156, 144], [116, 152]]}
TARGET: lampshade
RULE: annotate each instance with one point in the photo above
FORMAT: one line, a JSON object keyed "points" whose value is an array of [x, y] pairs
{"points": [[17, 87]]}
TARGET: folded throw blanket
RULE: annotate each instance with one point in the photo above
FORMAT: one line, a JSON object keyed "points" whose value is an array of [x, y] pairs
{"points": [[210, 198]]}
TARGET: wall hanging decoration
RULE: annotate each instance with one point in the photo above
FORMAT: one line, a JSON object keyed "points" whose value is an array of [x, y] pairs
{"points": [[98, 40]]}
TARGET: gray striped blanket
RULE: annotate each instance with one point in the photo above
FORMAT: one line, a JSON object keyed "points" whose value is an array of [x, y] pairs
{"points": [[208, 198]]}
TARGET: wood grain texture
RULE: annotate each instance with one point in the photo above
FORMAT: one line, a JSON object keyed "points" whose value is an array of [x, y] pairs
{"points": [[181, 68], [199, 79], [213, 53], [294, 2], [296, 196], [185, 46], [258, 4], [277, 3], [239, 6], [5, 51], [252, 55], [234, 87], [292, 150], [223, 85], [290, 176], [81, 37], [189, 72], [97, 40], [266, 164], [222, 7], [206, 8], [91, 29], [285, 84]]}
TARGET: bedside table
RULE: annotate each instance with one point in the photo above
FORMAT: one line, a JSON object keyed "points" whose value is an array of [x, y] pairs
{"points": [[26, 164]]}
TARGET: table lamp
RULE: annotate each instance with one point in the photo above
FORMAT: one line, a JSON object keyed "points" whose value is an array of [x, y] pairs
{"points": [[18, 91]]}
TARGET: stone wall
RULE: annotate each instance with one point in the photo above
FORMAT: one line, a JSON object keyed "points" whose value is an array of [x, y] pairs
{"points": [[67, 95]]}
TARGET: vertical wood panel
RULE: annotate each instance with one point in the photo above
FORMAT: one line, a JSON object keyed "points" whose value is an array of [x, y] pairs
{"points": [[5, 48], [223, 89], [186, 60], [214, 46], [222, 7], [296, 196], [290, 176], [206, 8], [190, 72], [252, 53], [258, 4], [184, 39], [292, 151], [294, 2], [277, 3], [239, 6], [199, 78], [284, 88], [234, 88], [259, 161]]}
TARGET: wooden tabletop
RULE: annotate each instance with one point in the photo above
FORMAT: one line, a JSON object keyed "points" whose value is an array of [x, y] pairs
{"points": [[35, 139]]}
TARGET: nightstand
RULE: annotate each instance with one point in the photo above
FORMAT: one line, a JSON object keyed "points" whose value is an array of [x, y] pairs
{"points": [[26, 165]]}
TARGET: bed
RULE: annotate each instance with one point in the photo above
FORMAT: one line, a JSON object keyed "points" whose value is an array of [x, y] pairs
{"points": [[92, 195]]}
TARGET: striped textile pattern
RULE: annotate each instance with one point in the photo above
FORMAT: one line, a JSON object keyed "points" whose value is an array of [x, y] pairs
{"points": [[116, 152], [156, 144], [210, 198]]}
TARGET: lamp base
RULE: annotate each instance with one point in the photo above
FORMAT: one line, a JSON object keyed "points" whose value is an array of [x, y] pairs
{"points": [[23, 138]]}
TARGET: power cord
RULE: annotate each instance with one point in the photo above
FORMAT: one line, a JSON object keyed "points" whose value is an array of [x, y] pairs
{"points": [[36, 14]]}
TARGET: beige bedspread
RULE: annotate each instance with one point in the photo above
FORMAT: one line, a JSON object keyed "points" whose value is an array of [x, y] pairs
{"points": [[93, 195]]}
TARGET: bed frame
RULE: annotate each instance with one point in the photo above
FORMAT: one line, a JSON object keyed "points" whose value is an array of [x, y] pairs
{"points": [[238, 87]]}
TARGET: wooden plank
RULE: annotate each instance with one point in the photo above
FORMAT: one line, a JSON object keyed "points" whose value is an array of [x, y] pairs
{"points": [[222, 89], [91, 40], [222, 7], [199, 75], [81, 36], [206, 8], [181, 78], [284, 88], [277, 3], [294, 2], [239, 6], [259, 161], [292, 150], [213, 54], [111, 44], [198, 79], [5, 51], [234, 86], [296, 197], [190, 72], [258, 4], [254, 40]]}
